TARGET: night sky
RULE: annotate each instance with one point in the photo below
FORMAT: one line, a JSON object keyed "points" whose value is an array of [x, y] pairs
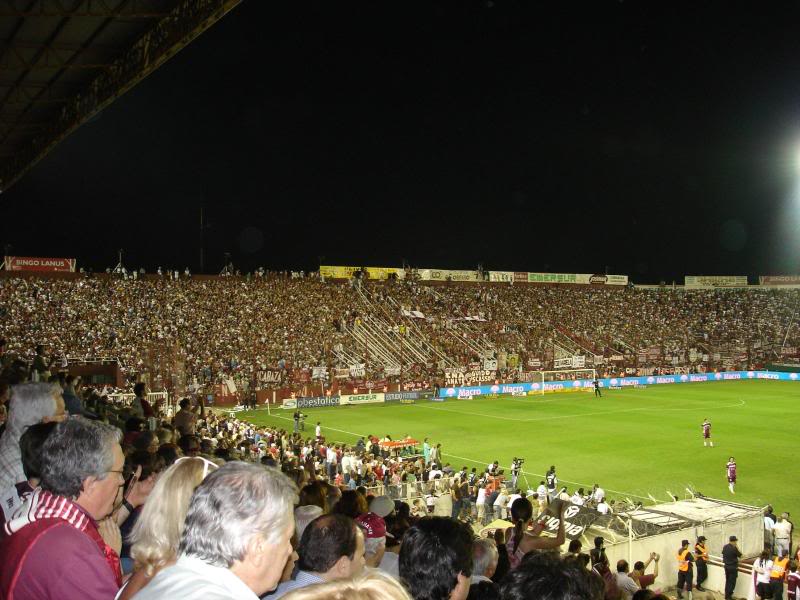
{"points": [[654, 141]]}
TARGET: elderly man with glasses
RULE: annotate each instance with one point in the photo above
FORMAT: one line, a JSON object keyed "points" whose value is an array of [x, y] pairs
{"points": [[52, 546]]}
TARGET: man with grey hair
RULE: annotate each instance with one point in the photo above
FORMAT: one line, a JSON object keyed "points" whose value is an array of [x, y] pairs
{"points": [[30, 403], [52, 546], [484, 560], [236, 537]]}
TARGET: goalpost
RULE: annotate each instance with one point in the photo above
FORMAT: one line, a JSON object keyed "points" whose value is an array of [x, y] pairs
{"points": [[564, 380]]}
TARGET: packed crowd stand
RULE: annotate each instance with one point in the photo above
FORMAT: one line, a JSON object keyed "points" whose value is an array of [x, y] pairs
{"points": [[104, 502], [214, 330]]}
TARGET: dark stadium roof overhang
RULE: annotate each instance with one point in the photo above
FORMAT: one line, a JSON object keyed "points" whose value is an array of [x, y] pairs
{"points": [[62, 61]]}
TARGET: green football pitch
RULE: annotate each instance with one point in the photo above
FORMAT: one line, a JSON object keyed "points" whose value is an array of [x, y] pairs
{"points": [[633, 442]]}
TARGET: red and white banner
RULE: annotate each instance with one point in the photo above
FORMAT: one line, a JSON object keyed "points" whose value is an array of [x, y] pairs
{"points": [[29, 263], [779, 280]]}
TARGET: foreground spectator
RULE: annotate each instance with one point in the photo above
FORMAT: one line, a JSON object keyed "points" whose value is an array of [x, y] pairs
{"points": [[236, 538], [369, 585], [30, 445], [52, 548], [30, 403], [436, 559], [332, 547], [546, 575], [158, 530]]}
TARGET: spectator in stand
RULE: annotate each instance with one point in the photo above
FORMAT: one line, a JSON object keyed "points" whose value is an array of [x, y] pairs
{"points": [[369, 585], [625, 582], [546, 575], [30, 403], [185, 420], [140, 407], [436, 559], [236, 537], [158, 530], [521, 541], [72, 402], [373, 528], [332, 547], [639, 568], [54, 541], [30, 445], [484, 561]]}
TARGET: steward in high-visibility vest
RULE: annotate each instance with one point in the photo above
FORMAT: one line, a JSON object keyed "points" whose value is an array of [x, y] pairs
{"points": [[701, 558], [777, 576], [685, 573]]}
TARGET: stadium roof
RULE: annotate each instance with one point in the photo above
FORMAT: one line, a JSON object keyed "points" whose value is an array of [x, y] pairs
{"points": [[62, 61]]}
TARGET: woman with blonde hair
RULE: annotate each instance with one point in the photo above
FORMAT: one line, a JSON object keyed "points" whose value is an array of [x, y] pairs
{"points": [[158, 530], [371, 584]]}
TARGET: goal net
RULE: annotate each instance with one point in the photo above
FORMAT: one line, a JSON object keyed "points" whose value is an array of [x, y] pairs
{"points": [[563, 380]]}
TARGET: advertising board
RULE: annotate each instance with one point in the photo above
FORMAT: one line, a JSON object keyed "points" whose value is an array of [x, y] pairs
{"points": [[33, 263]]}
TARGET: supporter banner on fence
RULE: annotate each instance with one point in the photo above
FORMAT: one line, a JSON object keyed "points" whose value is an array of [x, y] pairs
{"points": [[534, 362], [557, 386], [362, 399], [32, 263], [520, 276], [357, 370], [461, 376], [609, 279], [269, 376], [490, 364], [448, 275], [576, 520], [340, 373], [779, 280], [501, 276], [319, 373], [391, 371], [715, 280]]}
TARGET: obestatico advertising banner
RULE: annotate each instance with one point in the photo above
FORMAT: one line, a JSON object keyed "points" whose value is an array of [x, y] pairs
{"points": [[32, 263]]}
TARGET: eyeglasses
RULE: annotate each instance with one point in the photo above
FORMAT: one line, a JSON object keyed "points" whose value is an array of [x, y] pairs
{"points": [[206, 463], [120, 473]]}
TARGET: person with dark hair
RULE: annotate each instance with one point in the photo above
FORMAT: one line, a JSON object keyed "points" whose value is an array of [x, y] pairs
{"points": [[639, 568], [140, 406], [730, 559], [351, 504], [30, 445], [332, 547], [625, 582], [685, 571], [701, 558], [546, 575], [185, 420], [436, 559], [521, 542]]}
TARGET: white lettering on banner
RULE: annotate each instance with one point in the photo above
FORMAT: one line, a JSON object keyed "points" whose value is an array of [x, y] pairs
{"points": [[779, 280], [617, 357], [357, 370], [269, 376], [460, 376], [598, 279], [392, 371], [534, 362], [505, 276], [490, 364], [319, 373], [341, 373]]}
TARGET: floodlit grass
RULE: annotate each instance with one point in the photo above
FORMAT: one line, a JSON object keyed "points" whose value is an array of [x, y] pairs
{"points": [[633, 442]]}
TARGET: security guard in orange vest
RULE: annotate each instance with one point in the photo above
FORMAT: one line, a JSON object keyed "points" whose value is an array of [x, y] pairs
{"points": [[685, 571], [701, 558], [780, 566]]}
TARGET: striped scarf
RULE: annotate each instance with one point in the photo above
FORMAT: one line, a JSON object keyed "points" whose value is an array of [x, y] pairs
{"points": [[42, 504]]}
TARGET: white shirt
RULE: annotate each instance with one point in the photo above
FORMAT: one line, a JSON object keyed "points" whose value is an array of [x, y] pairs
{"points": [[192, 578], [331, 456], [481, 499], [602, 508], [762, 570], [511, 499], [576, 499], [541, 491], [390, 564], [781, 529], [599, 494], [319, 431]]}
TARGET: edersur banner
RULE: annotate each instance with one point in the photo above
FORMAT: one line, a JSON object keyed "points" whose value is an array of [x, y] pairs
{"points": [[556, 386], [32, 263], [361, 399]]}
